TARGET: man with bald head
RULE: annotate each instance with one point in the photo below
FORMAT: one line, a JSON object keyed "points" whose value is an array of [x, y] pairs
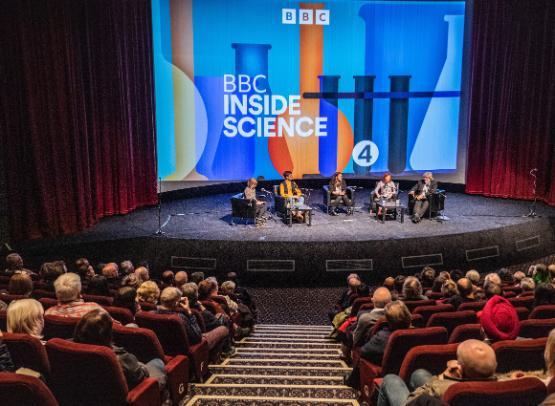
{"points": [[367, 319], [181, 278], [475, 361], [466, 293]]}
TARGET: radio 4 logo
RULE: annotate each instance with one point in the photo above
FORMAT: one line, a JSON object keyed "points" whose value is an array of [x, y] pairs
{"points": [[305, 16]]}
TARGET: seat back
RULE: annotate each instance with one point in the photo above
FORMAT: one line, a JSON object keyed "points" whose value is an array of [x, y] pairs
{"points": [[241, 207], [23, 390], [85, 374], [413, 304], [465, 332], [147, 306], [522, 312], [140, 342], [40, 293], [427, 311], [59, 326], [523, 301], [3, 320], [543, 312], [401, 341], [536, 328], [10, 298], [124, 316], [450, 320], [514, 392], [476, 306], [47, 302], [523, 355], [359, 301], [27, 352], [101, 300], [169, 329], [432, 358]]}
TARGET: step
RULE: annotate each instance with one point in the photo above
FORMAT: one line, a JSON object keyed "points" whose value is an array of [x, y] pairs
{"points": [[287, 355], [287, 339], [242, 400], [273, 390], [287, 362], [290, 336], [288, 344], [298, 326], [223, 379], [279, 370]]}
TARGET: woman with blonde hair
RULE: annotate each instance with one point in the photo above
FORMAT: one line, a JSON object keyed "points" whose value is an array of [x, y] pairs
{"points": [[26, 316], [148, 292]]}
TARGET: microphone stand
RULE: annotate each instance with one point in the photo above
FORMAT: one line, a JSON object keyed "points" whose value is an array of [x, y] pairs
{"points": [[159, 209], [532, 209]]}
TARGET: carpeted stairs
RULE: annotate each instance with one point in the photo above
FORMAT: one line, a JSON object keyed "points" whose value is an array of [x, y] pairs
{"points": [[279, 365]]}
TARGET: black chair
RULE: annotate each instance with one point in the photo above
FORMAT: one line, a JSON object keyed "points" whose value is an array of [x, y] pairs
{"points": [[242, 208], [327, 196], [280, 203], [436, 202], [394, 197]]}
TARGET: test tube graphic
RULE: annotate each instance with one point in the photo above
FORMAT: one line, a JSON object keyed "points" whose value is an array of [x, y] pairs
{"points": [[398, 123], [364, 111], [327, 147]]}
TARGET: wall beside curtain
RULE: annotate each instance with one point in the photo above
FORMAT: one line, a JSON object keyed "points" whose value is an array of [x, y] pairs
{"points": [[76, 112], [512, 100]]}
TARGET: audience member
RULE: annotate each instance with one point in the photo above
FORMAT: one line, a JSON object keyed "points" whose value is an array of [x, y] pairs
{"points": [[197, 277], [412, 289], [544, 294], [168, 279], [450, 292], [181, 278], [95, 328], [474, 277], [20, 284], [399, 282], [389, 283], [207, 289], [84, 269], [26, 316], [98, 285], [456, 274], [241, 293], [527, 285], [111, 273], [492, 278], [6, 362], [227, 290], [50, 271], [475, 361], [506, 276], [68, 293], [492, 289], [367, 319], [148, 292], [542, 275], [551, 270], [142, 274], [126, 297], [465, 293], [126, 267], [499, 320], [99, 267], [131, 280], [518, 276], [438, 284], [14, 263], [427, 277]]}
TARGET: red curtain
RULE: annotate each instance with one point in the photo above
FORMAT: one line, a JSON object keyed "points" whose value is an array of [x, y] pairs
{"points": [[512, 101], [76, 112]]}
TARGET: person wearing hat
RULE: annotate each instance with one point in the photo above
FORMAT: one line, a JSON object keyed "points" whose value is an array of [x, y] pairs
{"points": [[499, 320]]}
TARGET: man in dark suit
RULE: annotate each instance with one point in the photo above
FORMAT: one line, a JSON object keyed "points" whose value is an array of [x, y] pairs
{"points": [[420, 192]]}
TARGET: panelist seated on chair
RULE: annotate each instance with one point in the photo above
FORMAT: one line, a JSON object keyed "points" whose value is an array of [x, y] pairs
{"points": [[340, 194], [289, 190], [420, 193], [385, 189], [250, 194]]}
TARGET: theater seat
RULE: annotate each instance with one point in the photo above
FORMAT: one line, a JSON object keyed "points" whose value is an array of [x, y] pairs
{"points": [[450, 320], [523, 355], [10, 298], [476, 306], [85, 374], [427, 311], [124, 316], [23, 390], [516, 392], [144, 344], [47, 302], [3, 320], [432, 358], [400, 342], [543, 312], [522, 312], [526, 301], [101, 300], [174, 341], [466, 332], [359, 301], [28, 352], [40, 293], [536, 328], [59, 326], [413, 304]]}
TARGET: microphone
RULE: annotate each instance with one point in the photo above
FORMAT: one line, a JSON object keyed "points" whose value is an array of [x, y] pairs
{"points": [[533, 170], [262, 189]]}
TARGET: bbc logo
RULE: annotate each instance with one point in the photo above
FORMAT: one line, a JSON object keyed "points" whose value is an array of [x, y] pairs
{"points": [[305, 16]]}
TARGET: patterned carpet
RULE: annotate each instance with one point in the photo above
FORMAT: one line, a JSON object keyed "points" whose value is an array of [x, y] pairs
{"points": [[278, 365]]}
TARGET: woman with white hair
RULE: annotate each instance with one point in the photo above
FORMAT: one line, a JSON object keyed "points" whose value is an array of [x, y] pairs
{"points": [[26, 316], [419, 193], [68, 293]]}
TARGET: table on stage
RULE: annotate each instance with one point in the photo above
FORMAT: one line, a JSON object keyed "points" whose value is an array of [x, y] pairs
{"points": [[303, 208], [386, 205]]}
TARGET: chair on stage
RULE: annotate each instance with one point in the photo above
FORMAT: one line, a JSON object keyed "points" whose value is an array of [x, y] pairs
{"points": [[373, 207], [327, 196], [436, 202], [243, 209]]}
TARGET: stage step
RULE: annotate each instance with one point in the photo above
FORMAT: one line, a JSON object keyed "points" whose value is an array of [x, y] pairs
{"points": [[279, 370], [283, 344], [219, 379], [292, 362], [288, 340], [286, 355], [205, 400], [273, 390]]}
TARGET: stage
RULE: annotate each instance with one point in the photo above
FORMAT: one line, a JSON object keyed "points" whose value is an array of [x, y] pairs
{"points": [[482, 233]]}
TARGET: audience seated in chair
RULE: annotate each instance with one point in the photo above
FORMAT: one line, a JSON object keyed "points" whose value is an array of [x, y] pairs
{"points": [[142, 273], [412, 289], [14, 263], [95, 328], [148, 293], [20, 284], [6, 362], [367, 319], [111, 273], [26, 316], [98, 286], [465, 293], [544, 294], [499, 320], [68, 294], [126, 297]]}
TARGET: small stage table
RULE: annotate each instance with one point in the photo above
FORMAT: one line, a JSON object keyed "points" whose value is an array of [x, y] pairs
{"points": [[303, 209], [386, 205]]}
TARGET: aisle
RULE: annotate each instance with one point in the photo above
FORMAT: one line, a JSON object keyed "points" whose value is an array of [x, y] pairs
{"points": [[279, 365]]}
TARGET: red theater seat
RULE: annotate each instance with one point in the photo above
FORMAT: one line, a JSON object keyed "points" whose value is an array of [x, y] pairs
{"points": [[427, 311], [466, 332], [101, 300], [476, 306], [400, 342], [172, 336], [536, 328], [413, 304], [124, 316], [525, 301], [432, 358], [39, 293], [516, 392], [23, 390], [144, 344], [522, 312], [58, 326], [450, 320], [359, 301], [10, 298], [543, 312], [28, 352], [48, 302], [523, 355], [91, 375]]}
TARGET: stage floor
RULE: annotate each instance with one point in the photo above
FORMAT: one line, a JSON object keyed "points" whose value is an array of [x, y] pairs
{"points": [[481, 232]]}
